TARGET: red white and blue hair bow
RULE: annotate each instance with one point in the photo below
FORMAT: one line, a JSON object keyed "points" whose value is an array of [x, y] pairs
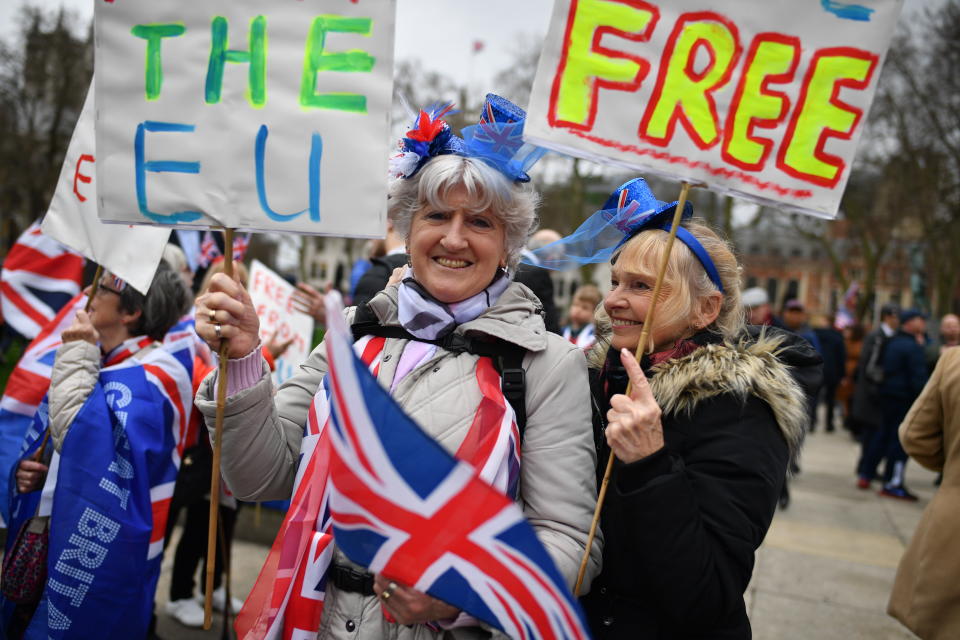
{"points": [[497, 139]]}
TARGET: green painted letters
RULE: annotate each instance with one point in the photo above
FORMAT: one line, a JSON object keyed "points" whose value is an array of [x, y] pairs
{"points": [[256, 57], [153, 34], [315, 60]]}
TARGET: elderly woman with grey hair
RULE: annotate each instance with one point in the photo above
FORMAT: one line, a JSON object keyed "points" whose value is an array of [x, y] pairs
{"points": [[466, 217], [121, 322], [117, 420]]}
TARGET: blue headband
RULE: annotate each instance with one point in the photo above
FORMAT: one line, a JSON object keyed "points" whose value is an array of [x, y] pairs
{"points": [[699, 251], [630, 209]]}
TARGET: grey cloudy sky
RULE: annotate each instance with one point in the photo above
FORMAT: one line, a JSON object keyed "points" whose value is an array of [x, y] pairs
{"points": [[446, 44], [438, 33]]}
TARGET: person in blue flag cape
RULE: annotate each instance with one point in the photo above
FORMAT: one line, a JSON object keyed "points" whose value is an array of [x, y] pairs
{"points": [[117, 416]]}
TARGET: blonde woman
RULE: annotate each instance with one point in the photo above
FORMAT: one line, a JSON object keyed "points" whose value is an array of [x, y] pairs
{"points": [[702, 442]]}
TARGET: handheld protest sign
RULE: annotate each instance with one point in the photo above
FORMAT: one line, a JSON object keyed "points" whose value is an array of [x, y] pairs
{"points": [[94, 286], [245, 114], [132, 253], [761, 99], [641, 349], [272, 297]]}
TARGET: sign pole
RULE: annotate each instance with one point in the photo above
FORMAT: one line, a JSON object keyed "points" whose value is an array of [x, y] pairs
{"points": [[218, 432], [641, 349]]}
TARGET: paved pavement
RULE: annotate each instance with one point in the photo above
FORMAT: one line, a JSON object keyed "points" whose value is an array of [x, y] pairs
{"points": [[824, 571], [827, 565]]}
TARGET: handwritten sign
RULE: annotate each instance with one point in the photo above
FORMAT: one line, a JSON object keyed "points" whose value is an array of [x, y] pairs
{"points": [[245, 114], [762, 99], [272, 297], [132, 253]]}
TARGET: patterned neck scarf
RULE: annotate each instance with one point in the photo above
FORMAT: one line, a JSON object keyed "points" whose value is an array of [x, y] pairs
{"points": [[429, 319]]}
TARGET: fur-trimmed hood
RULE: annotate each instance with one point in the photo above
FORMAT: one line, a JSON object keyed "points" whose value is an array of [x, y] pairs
{"points": [[776, 366]]}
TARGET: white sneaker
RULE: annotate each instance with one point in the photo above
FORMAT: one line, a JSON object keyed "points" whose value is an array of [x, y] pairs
{"points": [[220, 598], [186, 611]]}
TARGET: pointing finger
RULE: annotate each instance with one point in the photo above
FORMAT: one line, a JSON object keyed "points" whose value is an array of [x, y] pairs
{"points": [[639, 387]]}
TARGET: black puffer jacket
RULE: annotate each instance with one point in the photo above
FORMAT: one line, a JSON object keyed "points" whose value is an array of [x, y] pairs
{"points": [[681, 526]]}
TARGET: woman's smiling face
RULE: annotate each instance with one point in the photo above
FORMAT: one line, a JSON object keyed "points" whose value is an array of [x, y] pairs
{"points": [[456, 251], [627, 304]]}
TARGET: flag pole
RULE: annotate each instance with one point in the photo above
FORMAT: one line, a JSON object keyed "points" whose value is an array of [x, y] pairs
{"points": [[641, 349], [218, 431], [94, 286]]}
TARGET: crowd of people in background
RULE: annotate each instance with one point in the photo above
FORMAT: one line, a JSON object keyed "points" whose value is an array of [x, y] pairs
{"points": [[716, 356], [870, 381]]}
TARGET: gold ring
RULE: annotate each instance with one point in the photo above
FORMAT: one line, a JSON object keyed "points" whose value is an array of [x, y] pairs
{"points": [[385, 595], [213, 315], [216, 328]]}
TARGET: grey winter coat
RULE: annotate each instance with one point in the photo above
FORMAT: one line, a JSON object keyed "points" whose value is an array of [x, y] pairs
{"points": [[261, 440]]}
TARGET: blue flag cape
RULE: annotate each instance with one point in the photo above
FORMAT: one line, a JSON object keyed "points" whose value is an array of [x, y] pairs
{"points": [[116, 473]]}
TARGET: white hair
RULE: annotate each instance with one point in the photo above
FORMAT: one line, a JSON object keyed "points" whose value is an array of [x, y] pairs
{"points": [[515, 204]]}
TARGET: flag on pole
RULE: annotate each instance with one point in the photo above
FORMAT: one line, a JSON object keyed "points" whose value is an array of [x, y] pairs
{"points": [[130, 252], [209, 250], [39, 277], [395, 488], [241, 242]]}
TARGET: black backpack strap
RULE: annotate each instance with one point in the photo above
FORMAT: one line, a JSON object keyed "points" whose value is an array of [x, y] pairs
{"points": [[513, 382], [365, 323], [507, 357]]}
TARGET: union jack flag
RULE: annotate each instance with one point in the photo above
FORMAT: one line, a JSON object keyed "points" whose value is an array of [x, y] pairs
{"points": [[39, 277], [208, 249], [505, 139], [584, 339], [394, 489], [240, 245], [26, 386], [118, 284]]}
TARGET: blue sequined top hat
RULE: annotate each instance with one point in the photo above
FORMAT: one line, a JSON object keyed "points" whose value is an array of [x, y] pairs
{"points": [[497, 139], [630, 209]]}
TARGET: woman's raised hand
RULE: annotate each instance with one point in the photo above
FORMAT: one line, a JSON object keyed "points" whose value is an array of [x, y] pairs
{"points": [[308, 300], [409, 606], [226, 311], [633, 422], [81, 329]]}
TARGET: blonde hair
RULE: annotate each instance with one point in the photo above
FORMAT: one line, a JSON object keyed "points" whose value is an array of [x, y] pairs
{"points": [[685, 281], [487, 189], [588, 293]]}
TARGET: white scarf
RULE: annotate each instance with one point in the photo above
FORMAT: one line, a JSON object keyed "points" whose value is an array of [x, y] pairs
{"points": [[429, 319]]}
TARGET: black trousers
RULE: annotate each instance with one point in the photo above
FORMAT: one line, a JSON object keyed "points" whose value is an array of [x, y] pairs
{"points": [[829, 397], [192, 549]]}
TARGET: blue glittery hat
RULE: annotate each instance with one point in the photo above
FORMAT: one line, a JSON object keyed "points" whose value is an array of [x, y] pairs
{"points": [[630, 209], [497, 140]]}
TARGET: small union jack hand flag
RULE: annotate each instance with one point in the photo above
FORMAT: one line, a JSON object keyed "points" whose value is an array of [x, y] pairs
{"points": [[208, 249], [405, 508], [240, 245]]}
